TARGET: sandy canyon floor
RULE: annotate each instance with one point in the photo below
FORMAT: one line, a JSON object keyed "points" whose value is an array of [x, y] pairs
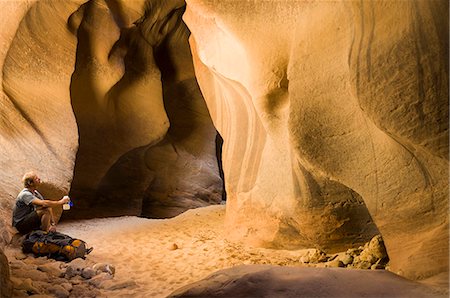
{"points": [[152, 258]]}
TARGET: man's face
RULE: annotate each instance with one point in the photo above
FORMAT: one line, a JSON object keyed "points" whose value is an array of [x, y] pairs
{"points": [[37, 181]]}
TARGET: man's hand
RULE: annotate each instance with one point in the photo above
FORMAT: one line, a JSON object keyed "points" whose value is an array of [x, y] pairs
{"points": [[52, 228], [64, 200]]}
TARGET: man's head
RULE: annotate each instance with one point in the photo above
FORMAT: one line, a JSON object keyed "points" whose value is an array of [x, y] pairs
{"points": [[30, 179]]}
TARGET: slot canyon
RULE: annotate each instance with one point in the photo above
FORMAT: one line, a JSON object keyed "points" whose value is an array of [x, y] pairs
{"points": [[229, 148]]}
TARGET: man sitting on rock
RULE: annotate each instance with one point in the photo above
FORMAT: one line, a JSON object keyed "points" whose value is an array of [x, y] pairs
{"points": [[31, 211]]}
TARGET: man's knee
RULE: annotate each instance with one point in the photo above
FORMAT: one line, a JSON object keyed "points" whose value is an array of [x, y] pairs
{"points": [[43, 211]]}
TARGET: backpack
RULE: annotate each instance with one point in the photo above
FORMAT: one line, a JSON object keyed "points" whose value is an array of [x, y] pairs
{"points": [[55, 245]]}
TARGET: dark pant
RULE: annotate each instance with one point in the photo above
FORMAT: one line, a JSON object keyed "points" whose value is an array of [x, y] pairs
{"points": [[31, 222]]}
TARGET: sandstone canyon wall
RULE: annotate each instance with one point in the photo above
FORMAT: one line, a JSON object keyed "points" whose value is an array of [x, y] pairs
{"points": [[70, 112], [327, 110], [37, 129], [147, 143], [28, 140], [334, 116], [100, 98]]}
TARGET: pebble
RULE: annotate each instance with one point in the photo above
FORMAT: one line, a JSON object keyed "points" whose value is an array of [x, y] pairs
{"points": [[68, 286], [31, 274], [358, 264], [16, 281], [305, 259], [20, 256], [112, 285], [173, 246], [88, 273], [27, 286], [346, 259], [335, 263], [52, 269], [76, 280], [97, 280], [58, 291], [103, 267], [354, 251], [38, 261], [315, 256], [17, 264], [20, 293], [377, 265], [74, 269], [84, 291]]}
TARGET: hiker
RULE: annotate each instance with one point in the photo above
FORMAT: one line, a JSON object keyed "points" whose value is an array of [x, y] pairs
{"points": [[31, 211]]}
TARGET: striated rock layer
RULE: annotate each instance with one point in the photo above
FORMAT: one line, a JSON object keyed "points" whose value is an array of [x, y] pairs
{"points": [[331, 111]]}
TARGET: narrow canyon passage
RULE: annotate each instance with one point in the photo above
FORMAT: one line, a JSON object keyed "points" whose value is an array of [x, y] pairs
{"points": [[323, 126]]}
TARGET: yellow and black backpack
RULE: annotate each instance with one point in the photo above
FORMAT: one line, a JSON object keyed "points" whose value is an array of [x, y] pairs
{"points": [[55, 245]]}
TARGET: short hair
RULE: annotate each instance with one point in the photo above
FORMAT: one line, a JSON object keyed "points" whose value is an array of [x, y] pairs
{"points": [[29, 179]]}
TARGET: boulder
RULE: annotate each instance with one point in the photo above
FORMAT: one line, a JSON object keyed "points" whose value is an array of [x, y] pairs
{"points": [[273, 281]]}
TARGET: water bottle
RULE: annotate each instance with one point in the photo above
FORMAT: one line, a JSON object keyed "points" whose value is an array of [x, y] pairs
{"points": [[67, 205]]}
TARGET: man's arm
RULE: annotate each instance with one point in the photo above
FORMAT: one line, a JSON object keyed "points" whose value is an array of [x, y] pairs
{"points": [[49, 203]]}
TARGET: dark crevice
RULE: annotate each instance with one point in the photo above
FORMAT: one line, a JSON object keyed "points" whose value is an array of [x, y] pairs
{"points": [[219, 145]]}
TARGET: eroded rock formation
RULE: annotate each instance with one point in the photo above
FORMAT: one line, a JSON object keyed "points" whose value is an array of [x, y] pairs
{"points": [[324, 106], [334, 116], [37, 127], [133, 79], [85, 96], [120, 74]]}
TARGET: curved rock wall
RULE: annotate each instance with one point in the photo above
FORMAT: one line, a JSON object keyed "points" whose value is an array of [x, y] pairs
{"points": [[329, 110], [131, 82], [133, 79], [85, 95], [37, 128]]}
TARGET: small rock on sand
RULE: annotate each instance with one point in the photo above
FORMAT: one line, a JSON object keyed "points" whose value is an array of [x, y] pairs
{"points": [[27, 286], [88, 273], [52, 269], [97, 280], [103, 267], [59, 291], [20, 256], [173, 246]]}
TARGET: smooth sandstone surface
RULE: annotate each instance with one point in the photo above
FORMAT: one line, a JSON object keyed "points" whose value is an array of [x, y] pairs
{"points": [[276, 281], [329, 109]]}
